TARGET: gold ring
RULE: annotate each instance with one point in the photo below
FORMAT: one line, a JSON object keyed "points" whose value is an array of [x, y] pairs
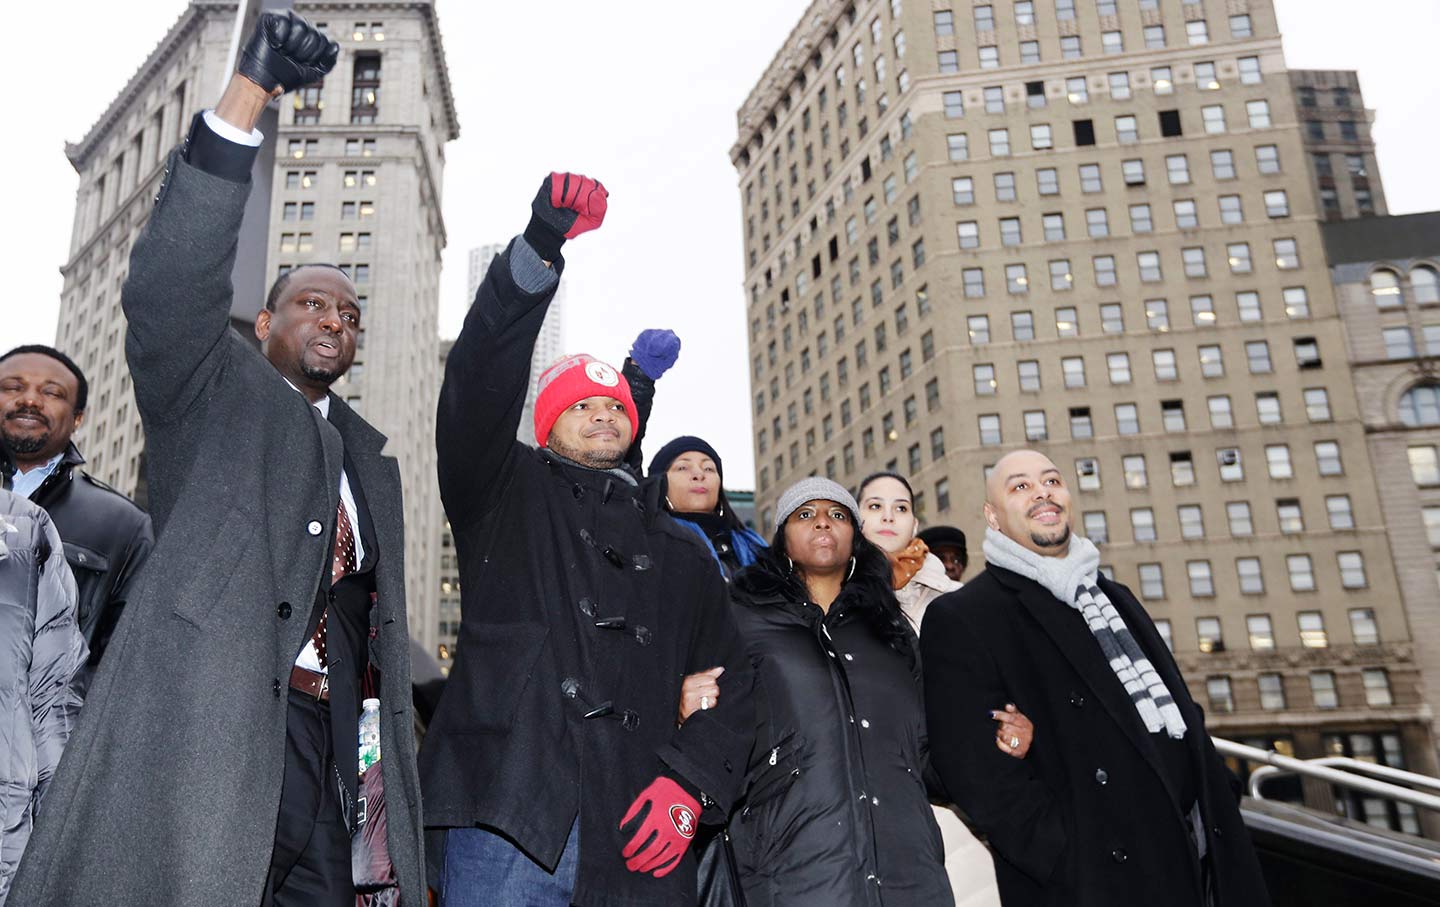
{"points": [[1014, 743]]}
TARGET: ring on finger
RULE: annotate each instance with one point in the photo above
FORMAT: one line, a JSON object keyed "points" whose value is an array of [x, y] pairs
{"points": [[704, 703], [1014, 743]]}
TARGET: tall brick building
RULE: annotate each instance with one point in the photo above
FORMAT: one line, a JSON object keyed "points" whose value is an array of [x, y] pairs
{"points": [[1090, 227]]}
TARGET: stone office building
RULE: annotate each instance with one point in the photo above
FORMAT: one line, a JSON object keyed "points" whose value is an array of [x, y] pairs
{"points": [[356, 181]]}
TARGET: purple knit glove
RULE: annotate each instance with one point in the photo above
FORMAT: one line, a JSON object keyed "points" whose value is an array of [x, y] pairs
{"points": [[655, 350]]}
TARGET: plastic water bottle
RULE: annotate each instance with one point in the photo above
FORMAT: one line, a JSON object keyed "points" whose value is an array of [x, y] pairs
{"points": [[369, 734]]}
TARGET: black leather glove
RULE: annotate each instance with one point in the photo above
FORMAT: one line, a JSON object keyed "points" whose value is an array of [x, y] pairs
{"points": [[287, 52]]}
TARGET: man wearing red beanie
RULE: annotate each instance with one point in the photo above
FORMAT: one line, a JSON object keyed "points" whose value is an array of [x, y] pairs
{"points": [[553, 765], [569, 381]]}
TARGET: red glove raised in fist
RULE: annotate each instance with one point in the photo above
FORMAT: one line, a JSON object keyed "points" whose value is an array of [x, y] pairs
{"points": [[585, 197], [567, 205], [666, 818]]}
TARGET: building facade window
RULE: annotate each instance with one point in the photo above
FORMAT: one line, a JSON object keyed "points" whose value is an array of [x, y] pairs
{"points": [[365, 88], [1222, 699], [1323, 691], [1272, 691]]}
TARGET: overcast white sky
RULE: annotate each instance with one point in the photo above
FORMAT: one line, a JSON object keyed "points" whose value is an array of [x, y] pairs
{"points": [[642, 95]]}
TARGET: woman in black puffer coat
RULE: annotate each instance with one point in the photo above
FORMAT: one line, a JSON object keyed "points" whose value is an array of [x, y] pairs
{"points": [[836, 811]]}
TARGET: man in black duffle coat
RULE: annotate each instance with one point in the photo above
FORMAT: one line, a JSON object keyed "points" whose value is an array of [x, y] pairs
{"points": [[1102, 811], [553, 763], [215, 761]]}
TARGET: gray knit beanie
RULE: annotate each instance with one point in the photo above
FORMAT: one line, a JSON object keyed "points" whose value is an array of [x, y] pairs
{"points": [[814, 488]]}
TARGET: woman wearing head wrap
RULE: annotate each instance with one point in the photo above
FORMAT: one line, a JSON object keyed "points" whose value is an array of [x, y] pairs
{"points": [[694, 495]]}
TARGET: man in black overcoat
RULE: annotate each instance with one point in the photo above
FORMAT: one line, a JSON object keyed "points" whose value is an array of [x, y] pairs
{"points": [[216, 759], [553, 763], [1122, 798]]}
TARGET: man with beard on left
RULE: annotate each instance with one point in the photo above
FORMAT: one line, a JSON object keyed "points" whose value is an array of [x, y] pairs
{"points": [[216, 761], [43, 398]]}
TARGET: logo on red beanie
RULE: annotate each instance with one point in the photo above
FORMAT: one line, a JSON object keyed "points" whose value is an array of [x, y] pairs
{"points": [[601, 374], [572, 379]]}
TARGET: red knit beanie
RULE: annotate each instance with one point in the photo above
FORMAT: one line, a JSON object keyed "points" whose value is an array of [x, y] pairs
{"points": [[571, 380]]}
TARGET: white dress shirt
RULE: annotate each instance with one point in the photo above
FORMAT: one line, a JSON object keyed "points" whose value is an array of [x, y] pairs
{"points": [[24, 484], [254, 138]]}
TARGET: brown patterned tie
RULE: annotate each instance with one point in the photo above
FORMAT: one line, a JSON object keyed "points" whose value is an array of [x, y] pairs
{"points": [[342, 563]]}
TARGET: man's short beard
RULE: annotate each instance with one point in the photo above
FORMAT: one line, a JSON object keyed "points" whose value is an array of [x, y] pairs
{"points": [[30, 444], [319, 375], [1041, 541], [594, 459]]}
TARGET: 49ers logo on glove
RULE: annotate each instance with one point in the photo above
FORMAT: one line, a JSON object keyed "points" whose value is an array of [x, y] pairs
{"points": [[658, 841], [684, 819]]}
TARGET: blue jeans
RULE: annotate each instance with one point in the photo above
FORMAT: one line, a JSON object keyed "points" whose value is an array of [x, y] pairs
{"points": [[483, 869]]}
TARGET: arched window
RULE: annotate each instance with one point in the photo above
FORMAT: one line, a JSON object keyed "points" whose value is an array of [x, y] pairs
{"points": [[1425, 284], [1385, 288], [1420, 405]]}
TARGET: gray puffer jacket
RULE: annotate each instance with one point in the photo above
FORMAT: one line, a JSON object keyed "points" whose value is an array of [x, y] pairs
{"points": [[40, 649]]}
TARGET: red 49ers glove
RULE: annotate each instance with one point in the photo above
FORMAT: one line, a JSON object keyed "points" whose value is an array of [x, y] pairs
{"points": [[567, 205], [666, 817]]}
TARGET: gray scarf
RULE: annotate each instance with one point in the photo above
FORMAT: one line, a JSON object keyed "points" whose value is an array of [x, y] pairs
{"points": [[618, 472], [1074, 580]]}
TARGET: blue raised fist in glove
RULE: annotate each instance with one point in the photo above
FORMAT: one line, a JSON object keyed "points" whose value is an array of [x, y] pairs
{"points": [[655, 350]]}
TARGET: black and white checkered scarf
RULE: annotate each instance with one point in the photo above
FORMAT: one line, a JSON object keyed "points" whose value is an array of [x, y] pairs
{"points": [[1074, 580]]}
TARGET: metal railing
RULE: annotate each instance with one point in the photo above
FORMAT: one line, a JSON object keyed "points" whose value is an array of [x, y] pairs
{"points": [[1397, 784]]}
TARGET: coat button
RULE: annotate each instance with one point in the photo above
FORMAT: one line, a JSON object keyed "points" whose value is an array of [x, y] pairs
{"points": [[1101, 776], [1217, 832], [1077, 700], [276, 686], [283, 611], [315, 527], [865, 722], [1119, 855]]}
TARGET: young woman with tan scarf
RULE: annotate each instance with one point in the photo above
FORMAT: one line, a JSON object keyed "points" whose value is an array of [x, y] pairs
{"points": [[887, 514]]}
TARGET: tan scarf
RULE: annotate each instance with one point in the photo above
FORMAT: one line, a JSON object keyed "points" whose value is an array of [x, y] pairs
{"points": [[904, 564]]}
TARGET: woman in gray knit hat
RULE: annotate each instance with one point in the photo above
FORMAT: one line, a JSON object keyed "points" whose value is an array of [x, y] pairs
{"points": [[835, 810]]}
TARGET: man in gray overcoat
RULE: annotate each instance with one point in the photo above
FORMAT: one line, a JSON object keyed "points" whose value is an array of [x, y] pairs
{"points": [[215, 762]]}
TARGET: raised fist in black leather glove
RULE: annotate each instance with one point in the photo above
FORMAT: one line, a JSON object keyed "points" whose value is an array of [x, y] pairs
{"points": [[567, 205], [286, 52]]}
